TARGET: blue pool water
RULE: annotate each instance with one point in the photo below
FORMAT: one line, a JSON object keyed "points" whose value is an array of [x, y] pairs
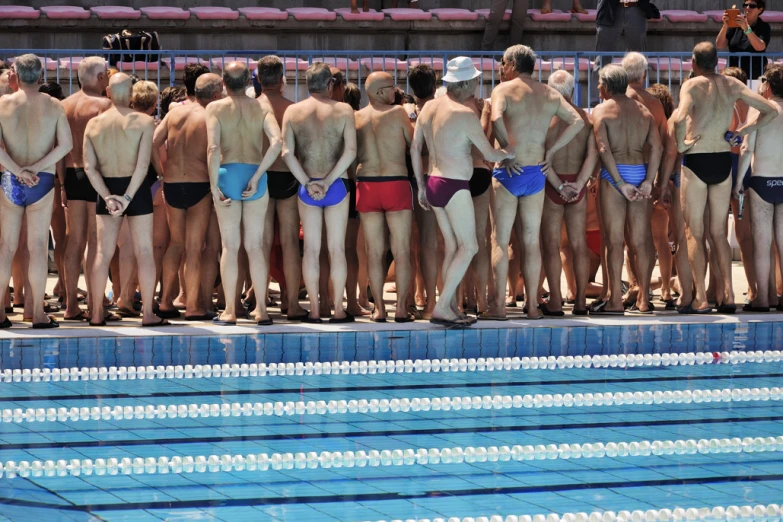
{"points": [[404, 486]]}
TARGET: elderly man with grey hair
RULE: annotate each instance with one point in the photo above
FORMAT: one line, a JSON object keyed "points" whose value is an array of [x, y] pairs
{"points": [[522, 109], [572, 167], [450, 129], [78, 195], [625, 129], [34, 135]]}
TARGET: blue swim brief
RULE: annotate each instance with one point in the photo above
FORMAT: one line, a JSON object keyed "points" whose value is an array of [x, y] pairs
{"points": [[336, 193], [676, 178], [529, 182], [20, 194], [233, 179], [631, 174]]}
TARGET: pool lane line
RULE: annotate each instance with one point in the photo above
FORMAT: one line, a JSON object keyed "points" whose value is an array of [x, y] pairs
{"points": [[373, 458], [480, 364], [395, 405], [483, 428], [301, 389], [767, 512]]}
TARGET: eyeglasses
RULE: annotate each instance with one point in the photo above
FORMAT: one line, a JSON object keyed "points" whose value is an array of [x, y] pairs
{"points": [[750, 6], [763, 79], [380, 90]]}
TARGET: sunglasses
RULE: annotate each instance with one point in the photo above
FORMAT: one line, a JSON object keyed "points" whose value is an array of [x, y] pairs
{"points": [[750, 6], [763, 79]]}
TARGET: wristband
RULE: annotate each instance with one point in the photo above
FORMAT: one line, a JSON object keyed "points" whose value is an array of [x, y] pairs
{"points": [[619, 184], [127, 198], [560, 187], [748, 30]]}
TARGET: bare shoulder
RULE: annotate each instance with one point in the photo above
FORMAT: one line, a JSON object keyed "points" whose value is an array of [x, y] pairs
{"points": [[598, 111], [142, 121]]}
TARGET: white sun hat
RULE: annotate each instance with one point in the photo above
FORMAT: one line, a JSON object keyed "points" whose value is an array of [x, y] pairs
{"points": [[460, 69]]}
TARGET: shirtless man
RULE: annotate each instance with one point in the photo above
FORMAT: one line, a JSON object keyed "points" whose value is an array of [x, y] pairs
{"points": [[624, 130], [283, 187], [117, 150], [186, 190], [383, 195], [237, 173], [762, 148], [319, 137], [450, 129], [703, 118], [572, 167], [34, 135], [522, 109], [78, 195]]}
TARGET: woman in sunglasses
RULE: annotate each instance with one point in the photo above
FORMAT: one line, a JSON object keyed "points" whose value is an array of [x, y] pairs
{"points": [[751, 36]]}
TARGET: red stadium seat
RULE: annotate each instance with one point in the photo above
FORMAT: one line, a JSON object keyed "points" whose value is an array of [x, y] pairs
{"points": [[568, 64], [221, 61], [18, 12], [296, 64], [50, 64], [589, 16], [435, 63], [369, 16], [679, 15], [180, 62], [407, 15], [71, 63], [65, 12], [116, 12], [263, 13], [165, 13], [486, 64], [382, 63], [457, 15], [555, 16], [214, 13], [343, 64], [312, 13], [484, 13], [773, 16], [137, 67], [717, 16]]}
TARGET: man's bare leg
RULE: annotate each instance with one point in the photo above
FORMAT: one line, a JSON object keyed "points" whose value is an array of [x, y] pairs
{"points": [[615, 205], [160, 236], [745, 240], [363, 276], [660, 233], [576, 222], [197, 218], [352, 260], [38, 215], [482, 262], [253, 238], [18, 264], [59, 235], [458, 226], [763, 214], [718, 201], [336, 221], [210, 263], [684, 275], [428, 238], [179, 224], [288, 223], [11, 216], [231, 239], [693, 204], [639, 215], [141, 229], [128, 271], [312, 226], [504, 211], [374, 232], [399, 228], [530, 213], [551, 227], [108, 230], [778, 220]]}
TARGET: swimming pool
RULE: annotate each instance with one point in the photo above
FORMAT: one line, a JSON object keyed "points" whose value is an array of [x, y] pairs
{"points": [[596, 423]]}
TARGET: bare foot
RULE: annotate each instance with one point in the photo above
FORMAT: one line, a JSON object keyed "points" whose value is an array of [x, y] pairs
{"points": [[546, 7], [358, 311]]}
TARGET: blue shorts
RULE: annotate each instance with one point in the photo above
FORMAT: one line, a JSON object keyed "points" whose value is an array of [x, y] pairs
{"points": [[676, 178], [734, 168], [529, 182], [336, 193], [233, 179], [631, 174], [20, 194]]}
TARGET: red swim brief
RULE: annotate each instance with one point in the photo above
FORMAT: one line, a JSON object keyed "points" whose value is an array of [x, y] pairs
{"points": [[383, 194], [594, 241], [555, 197]]}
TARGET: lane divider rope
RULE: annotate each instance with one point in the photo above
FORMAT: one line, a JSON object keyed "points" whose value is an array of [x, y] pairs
{"points": [[480, 364], [769, 513], [375, 458], [456, 403]]}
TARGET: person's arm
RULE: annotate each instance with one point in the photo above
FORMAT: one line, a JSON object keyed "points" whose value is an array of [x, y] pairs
{"points": [[62, 147], [417, 145], [767, 111], [272, 131], [142, 165], [722, 41], [93, 174], [289, 152], [569, 115], [407, 127], [161, 134], [476, 135], [654, 158], [756, 41], [746, 155], [680, 120], [607, 158], [668, 165], [213, 158], [498, 125], [588, 166], [349, 150]]}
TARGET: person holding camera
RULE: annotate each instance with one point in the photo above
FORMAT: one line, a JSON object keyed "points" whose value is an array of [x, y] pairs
{"points": [[746, 33]]}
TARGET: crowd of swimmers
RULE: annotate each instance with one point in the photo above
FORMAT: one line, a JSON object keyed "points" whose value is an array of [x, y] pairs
{"points": [[474, 202]]}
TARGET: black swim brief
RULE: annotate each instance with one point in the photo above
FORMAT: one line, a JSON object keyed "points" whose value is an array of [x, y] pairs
{"points": [[712, 168], [77, 186], [281, 185], [142, 201], [480, 182], [185, 195], [768, 189]]}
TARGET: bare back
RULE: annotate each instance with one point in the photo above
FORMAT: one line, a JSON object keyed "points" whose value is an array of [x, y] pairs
{"points": [[80, 108], [382, 135], [767, 151], [528, 107], [569, 159], [713, 98], [186, 159], [279, 105], [29, 127], [627, 124], [241, 128], [443, 122], [116, 139], [318, 126]]}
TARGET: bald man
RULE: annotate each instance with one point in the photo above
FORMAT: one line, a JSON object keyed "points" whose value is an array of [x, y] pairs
{"points": [[186, 190], [319, 146], [34, 135], [383, 135], [117, 149], [238, 163]]}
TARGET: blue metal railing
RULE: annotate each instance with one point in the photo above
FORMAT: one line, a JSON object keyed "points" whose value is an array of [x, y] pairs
{"points": [[669, 68]]}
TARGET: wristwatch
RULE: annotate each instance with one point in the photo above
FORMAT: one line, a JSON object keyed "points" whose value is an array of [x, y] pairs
{"points": [[560, 187]]}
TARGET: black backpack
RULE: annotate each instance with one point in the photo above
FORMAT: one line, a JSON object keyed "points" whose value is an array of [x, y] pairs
{"points": [[132, 41]]}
